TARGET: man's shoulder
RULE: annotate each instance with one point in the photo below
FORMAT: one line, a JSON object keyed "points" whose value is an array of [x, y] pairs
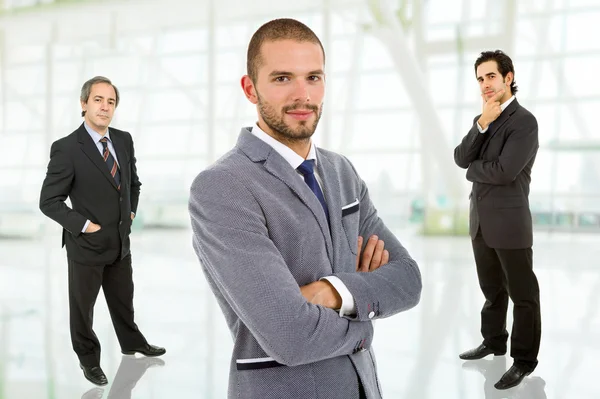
{"points": [[67, 141], [119, 133], [337, 159], [232, 164], [524, 113]]}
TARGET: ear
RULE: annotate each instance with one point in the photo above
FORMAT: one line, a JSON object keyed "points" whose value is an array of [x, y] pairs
{"points": [[509, 78], [83, 106], [249, 89]]}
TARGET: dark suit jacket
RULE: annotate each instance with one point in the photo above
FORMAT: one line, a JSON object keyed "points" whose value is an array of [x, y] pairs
{"points": [[499, 163], [78, 171]]}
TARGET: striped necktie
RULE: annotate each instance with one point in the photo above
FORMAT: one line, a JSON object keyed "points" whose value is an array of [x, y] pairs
{"points": [[113, 167]]}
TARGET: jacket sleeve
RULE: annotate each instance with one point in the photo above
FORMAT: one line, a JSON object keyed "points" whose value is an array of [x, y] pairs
{"points": [[468, 150], [135, 181], [392, 288], [520, 147], [231, 239], [56, 189]]}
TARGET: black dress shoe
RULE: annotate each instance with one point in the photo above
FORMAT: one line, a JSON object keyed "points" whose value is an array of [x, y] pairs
{"points": [[512, 377], [94, 374], [478, 353], [148, 350]]}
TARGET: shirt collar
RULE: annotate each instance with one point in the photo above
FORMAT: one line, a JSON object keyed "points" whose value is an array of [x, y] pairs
{"points": [[507, 103], [286, 152], [95, 135]]}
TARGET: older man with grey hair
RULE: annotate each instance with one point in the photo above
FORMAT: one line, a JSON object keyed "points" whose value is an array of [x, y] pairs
{"points": [[95, 168]]}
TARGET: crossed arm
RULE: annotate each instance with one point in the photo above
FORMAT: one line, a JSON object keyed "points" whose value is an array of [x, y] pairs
{"points": [[368, 259], [233, 244]]}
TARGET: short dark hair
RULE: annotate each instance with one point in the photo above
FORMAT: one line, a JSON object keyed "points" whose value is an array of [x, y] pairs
{"points": [[277, 29], [86, 89], [505, 65]]}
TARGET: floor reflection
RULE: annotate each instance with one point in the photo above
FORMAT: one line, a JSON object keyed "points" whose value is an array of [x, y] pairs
{"points": [[417, 352]]}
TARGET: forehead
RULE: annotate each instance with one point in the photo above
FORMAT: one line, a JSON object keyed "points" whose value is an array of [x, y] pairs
{"points": [[487, 67], [104, 90], [291, 56]]}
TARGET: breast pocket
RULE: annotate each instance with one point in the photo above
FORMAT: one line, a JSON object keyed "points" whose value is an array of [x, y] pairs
{"points": [[350, 222]]}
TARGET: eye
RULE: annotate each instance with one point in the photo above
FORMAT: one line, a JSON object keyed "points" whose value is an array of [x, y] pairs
{"points": [[314, 78], [282, 78]]}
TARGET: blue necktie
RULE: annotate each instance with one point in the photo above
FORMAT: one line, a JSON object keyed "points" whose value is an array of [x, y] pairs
{"points": [[307, 168]]}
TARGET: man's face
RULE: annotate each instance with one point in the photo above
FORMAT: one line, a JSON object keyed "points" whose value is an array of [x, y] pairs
{"points": [[100, 106], [289, 89], [491, 81]]}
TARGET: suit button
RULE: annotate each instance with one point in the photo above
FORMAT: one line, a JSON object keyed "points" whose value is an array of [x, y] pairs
{"points": [[121, 199], [121, 222], [478, 198], [371, 315]]}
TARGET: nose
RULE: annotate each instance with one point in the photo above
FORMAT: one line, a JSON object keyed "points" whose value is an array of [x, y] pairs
{"points": [[301, 92]]}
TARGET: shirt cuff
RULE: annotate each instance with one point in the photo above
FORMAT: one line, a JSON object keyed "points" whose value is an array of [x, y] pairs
{"points": [[348, 306], [85, 226], [481, 130]]}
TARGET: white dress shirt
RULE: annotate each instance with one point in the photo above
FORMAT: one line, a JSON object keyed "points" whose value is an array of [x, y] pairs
{"points": [[502, 108], [295, 160]]}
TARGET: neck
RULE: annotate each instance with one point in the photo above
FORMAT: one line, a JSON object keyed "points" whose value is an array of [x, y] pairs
{"points": [[507, 96], [300, 146], [100, 130]]}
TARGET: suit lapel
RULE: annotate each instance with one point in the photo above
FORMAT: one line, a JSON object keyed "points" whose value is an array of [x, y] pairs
{"points": [[122, 158], [331, 191], [276, 165], [497, 124], [91, 151]]}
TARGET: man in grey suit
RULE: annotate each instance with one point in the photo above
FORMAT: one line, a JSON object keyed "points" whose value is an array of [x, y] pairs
{"points": [[276, 224], [498, 153]]}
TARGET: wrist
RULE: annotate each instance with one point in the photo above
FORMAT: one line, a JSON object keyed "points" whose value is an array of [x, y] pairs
{"points": [[333, 299], [483, 123]]}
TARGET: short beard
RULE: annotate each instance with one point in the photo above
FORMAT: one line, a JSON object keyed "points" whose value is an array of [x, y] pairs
{"points": [[282, 130]]}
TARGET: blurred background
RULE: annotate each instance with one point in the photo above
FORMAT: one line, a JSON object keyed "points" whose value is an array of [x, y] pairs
{"points": [[401, 94]]}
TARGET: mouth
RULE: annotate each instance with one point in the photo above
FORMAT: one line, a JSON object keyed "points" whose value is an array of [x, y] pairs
{"points": [[489, 93], [300, 115]]}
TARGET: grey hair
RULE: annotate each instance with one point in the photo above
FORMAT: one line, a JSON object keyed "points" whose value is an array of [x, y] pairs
{"points": [[86, 89]]}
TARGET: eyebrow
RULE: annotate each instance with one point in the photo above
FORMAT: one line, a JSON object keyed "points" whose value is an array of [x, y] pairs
{"points": [[286, 73], [99, 96], [487, 74]]}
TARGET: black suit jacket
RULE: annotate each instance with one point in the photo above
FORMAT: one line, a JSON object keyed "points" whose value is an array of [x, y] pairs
{"points": [[77, 170], [499, 163]]}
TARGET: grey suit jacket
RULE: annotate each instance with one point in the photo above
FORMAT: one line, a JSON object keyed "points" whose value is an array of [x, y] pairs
{"points": [[260, 233], [499, 164]]}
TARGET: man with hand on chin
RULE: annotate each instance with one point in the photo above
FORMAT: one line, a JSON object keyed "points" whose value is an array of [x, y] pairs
{"points": [[499, 152]]}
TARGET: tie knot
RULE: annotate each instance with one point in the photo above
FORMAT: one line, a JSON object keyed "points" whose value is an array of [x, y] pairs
{"points": [[307, 167]]}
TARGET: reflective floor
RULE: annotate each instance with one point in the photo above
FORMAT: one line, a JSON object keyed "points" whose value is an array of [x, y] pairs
{"points": [[416, 351]]}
